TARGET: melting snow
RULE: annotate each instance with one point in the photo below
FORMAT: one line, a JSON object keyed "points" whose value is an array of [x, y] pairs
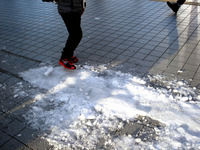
{"points": [[82, 108]]}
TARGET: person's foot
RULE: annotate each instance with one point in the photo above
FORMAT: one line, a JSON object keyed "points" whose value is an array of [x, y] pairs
{"points": [[73, 59], [66, 64], [174, 6]]}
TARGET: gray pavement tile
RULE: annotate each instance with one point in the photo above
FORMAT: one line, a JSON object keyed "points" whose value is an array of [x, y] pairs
{"points": [[27, 135], [11, 81], [113, 44], [13, 144], [106, 60], [153, 43], [84, 55], [7, 104], [119, 51], [197, 76], [123, 47], [198, 71], [14, 127], [39, 144], [156, 53], [131, 128], [155, 39], [172, 69], [146, 37], [91, 50], [147, 63], [19, 111], [145, 51], [168, 57], [193, 61], [101, 53], [195, 57], [126, 53], [108, 48], [118, 41], [97, 46], [122, 58], [4, 138], [31, 55], [164, 45], [135, 61], [188, 74], [184, 53], [176, 63], [176, 45], [154, 71], [142, 70], [139, 56], [94, 57], [41, 58], [112, 54], [190, 67], [183, 78], [1, 112], [181, 59], [151, 58], [26, 148], [195, 83], [5, 120], [4, 77], [25, 47]]}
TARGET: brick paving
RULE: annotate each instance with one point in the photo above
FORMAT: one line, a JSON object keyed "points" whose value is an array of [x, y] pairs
{"points": [[138, 36]]}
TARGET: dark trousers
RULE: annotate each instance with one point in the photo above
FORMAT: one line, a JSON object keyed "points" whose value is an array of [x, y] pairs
{"points": [[180, 2], [73, 24]]}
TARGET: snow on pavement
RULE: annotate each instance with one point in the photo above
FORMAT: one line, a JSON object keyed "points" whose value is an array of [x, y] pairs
{"points": [[80, 108]]}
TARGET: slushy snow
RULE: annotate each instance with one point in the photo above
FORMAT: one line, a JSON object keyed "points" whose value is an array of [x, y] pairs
{"points": [[81, 108]]}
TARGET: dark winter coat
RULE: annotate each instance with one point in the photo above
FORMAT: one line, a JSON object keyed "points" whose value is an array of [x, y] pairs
{"points": [[66, 6]]}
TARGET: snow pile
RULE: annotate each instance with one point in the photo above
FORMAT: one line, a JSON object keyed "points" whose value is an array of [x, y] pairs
{"points": [[83, 108]]}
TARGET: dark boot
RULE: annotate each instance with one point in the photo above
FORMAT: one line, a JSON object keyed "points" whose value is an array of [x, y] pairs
{"points": [[174, 6]]}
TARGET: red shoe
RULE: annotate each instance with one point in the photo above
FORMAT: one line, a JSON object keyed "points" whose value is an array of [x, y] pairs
{"points": [[66, 64], [73, 59]]}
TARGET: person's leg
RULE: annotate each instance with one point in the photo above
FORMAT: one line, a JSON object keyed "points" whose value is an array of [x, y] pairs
{"points": [[73, 24]]}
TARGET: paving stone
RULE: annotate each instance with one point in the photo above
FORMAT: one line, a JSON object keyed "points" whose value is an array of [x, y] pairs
{"points": [[27, 135], [39, 143], [13, 144], [4, 77], [7, 104], [130, 128], [14, 127], [11, 81], [142, 70], [5, 119], [4, 138]]}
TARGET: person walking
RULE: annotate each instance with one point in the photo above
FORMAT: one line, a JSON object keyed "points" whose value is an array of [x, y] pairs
{"points": [[70, 12], [175, 6]]}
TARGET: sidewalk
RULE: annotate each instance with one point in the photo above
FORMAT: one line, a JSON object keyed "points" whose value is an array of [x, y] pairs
{"points": [[139, 37]]}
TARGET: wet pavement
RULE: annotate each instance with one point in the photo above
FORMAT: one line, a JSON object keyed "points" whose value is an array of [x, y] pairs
{"points": [[140, 37]]}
